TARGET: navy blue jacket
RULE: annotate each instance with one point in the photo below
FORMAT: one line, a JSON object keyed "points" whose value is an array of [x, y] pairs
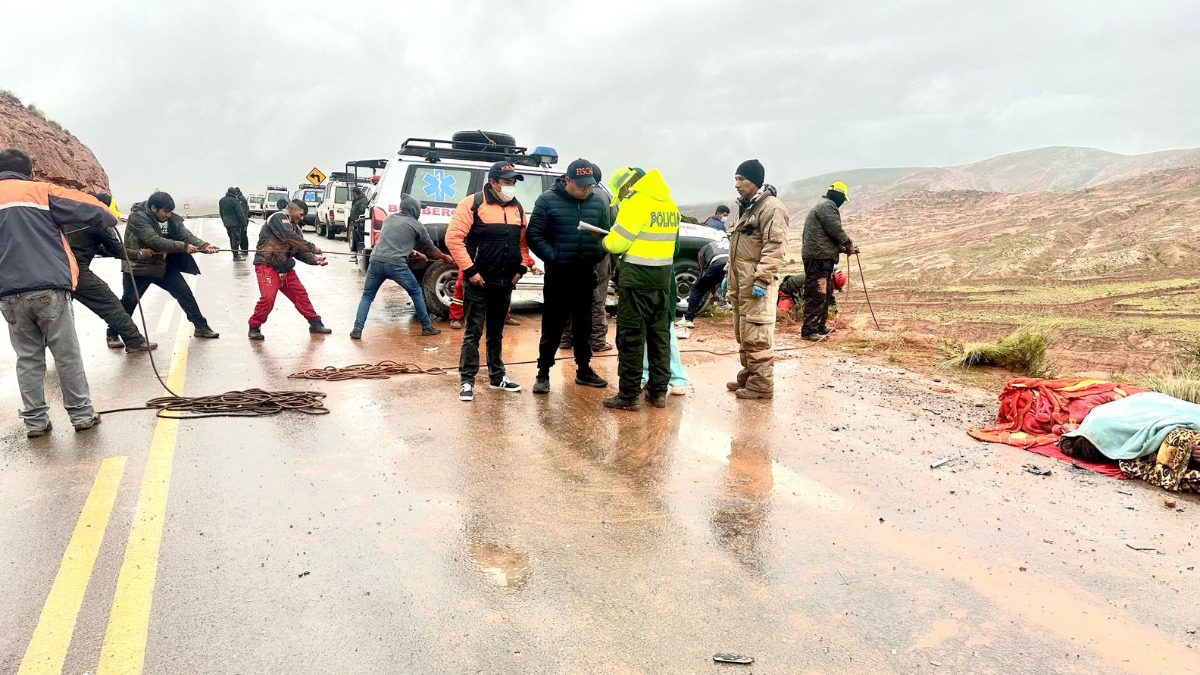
{"points": [[554, 234]]}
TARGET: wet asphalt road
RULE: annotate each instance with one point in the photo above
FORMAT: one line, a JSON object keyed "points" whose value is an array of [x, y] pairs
{"points": [[407, 532]]}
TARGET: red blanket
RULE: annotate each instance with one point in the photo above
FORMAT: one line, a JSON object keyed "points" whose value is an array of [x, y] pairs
{"points": [[1037, 412], [1051, 450]]}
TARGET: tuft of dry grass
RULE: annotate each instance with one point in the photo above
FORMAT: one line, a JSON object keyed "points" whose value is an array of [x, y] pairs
{"points": [[1022, 351], [1184, 380]]}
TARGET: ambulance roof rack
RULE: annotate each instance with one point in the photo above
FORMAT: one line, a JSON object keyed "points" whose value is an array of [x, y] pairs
{"points": [[434, 150]]}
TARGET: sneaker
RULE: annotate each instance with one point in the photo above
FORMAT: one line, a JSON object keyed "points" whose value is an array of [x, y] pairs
{"points": [[685, 323], [318, 328], [38, 433], [430, 330], [255, 334], [466, 391], [656, 400], [589, 378], [506, 385], [622, 404], [678, 391], [826, 330], [751, 394], [206, 332], [114, 342], [455, 324], [356, 334], [813, 337], [86, 424], [607, 346], [143, 347], [542, 385], [511, 321], [565, 346]]}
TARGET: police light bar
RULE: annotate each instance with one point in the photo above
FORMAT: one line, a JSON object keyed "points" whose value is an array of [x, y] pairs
{"points": [[277, 187], [544, 155]]}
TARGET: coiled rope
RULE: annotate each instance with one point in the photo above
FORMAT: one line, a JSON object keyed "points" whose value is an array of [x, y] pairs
{"points": [[365, 371]]}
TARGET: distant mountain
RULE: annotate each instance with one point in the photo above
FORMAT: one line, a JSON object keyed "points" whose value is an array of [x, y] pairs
{"points": [[1053, 168], [1144, 227]]}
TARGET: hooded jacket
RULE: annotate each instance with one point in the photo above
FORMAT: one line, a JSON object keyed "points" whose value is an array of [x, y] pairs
{"points": [[170, 240], [760, 238], [280, 245], [824, 238], [554, 234], [231, 209], [714, 253], [647, 232], [34, 254], [401, 233]]}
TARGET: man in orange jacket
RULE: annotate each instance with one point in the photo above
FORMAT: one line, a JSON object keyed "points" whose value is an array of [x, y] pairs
{"points": [[486, 237]]}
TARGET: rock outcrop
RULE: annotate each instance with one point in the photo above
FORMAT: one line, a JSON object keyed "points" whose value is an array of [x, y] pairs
{"points": [[58, 157]]}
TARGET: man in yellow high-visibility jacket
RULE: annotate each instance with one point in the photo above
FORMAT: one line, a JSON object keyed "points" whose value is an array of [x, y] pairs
{"points": [[644, 234]]}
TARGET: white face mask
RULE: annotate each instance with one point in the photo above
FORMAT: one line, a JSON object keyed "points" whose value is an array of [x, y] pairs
{"points": [[508, 192], [724, 219]]}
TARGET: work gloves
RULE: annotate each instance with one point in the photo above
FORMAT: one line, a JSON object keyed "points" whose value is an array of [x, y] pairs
{"points": [[759, 291]]}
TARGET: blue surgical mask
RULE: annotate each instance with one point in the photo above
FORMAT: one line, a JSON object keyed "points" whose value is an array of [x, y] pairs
{"points": [[724, 219]]}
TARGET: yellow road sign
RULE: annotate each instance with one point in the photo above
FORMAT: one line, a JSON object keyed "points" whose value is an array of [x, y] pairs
{"points": [[315, 176]]}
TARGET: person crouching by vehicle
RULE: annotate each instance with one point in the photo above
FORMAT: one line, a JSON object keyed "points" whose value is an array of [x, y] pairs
{"points": [[486, 237], [153, 224], [757, 247], [570, 256], [713, 258], [37, 275], [824, 240], [280, 245], [791, 294], [400, 236], [358, 209]]}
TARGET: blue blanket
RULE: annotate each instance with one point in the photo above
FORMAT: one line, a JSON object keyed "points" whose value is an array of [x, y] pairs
{"points": [[1136, 425]]}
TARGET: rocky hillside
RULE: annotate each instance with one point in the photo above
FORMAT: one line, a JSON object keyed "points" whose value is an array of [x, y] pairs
{"points": [[58, 156], [1146, 227]]}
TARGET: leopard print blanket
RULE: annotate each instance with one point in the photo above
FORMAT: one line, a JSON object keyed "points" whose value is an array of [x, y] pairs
{"points": [[1169, 469]]}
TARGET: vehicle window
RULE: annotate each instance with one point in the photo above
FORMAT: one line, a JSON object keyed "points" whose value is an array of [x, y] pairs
{"points": [[437, 185], [529, 190], [274, 197], [312, 196], [341, 194]]}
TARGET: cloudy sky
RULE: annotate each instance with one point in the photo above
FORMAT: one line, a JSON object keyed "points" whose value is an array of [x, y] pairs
{"points": [[194, 95]]}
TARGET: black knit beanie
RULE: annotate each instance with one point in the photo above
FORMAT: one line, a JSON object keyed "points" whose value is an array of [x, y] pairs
{"points": [[753, 171]]}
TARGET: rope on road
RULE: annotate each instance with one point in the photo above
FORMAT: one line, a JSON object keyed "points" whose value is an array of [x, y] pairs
{"points": [[248, 403], [365, 371]]}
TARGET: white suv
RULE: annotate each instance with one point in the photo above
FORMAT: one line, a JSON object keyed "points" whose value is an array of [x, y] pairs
{"points": [[331, 214], [441, 174]]}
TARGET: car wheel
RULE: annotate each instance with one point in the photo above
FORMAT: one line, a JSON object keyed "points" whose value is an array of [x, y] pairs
{"points": [[686, 276], [364, 261], [472, 140], [438, 287], [320, 227]]}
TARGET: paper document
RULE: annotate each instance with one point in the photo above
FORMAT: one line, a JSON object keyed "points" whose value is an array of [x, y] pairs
{"points": [[584, 227]]}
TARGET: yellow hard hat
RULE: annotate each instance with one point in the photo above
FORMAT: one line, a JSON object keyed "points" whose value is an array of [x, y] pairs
{"points": [[841, 187], [620, 178]]}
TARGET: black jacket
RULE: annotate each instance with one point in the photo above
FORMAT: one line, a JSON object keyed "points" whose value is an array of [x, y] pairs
{"points": [[168, 240], [86, 243], [357, 208], [231, 210], [554, 234], [824, 238]]}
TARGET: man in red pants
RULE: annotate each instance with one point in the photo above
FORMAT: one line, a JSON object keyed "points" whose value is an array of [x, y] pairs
{"points": [[456, 306], [280, 245]]}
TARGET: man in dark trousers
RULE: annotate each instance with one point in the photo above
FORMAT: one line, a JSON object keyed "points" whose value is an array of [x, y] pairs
{"points": [[570, 256], [486, 236], [280, 245], [824, 240], [235, 218], [154, 224], [93, 293], [604, 273], [358, 208]]}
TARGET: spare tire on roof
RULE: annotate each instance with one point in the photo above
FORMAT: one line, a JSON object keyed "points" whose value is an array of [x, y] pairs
{"points": [[482, 140]]}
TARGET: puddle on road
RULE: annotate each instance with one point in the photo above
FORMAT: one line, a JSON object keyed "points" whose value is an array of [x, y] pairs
{"points": [[501, 565]]}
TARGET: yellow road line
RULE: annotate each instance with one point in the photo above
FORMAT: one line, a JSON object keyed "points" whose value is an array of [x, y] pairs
{"points": [[48, 646], [124, 649]]}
